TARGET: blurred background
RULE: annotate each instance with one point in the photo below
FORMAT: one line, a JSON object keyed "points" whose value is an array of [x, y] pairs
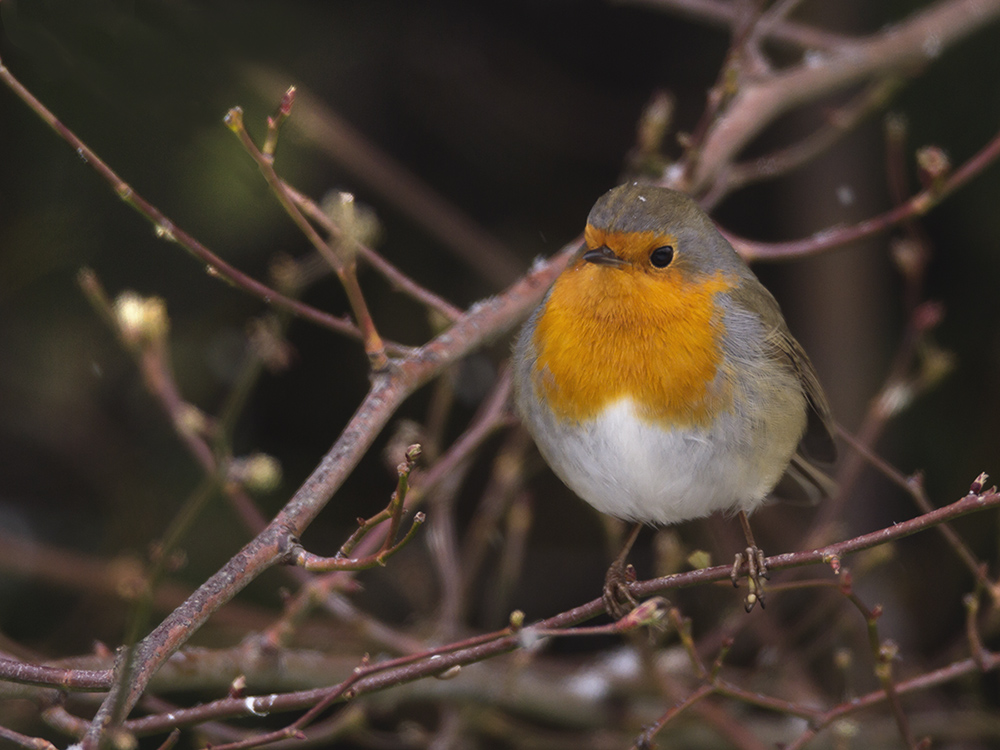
{"points": [[518, 115]]}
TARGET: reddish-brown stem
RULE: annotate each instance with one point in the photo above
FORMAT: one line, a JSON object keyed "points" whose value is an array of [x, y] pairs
{"points": [[898, 49], [976, 646], [923, 682], [342, 265], [683, 628], [316, 563], [724, 13], [839, 122], [417, 666], [387, 393], [829, 553], [396, 277], [914, 488], [398, 502], [23, 740], [166, 229], [882, 408], [645, 740], [65, 679], [408, 193], [883, 654], [390, 388], [918, 205]]}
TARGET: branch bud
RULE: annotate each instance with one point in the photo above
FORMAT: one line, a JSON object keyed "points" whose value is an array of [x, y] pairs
{"points": [[888, 651], [141, 320], [413, 453], [269, 345], [933, 166], [356, 223], [238, 687], [651, 612], [935, 364], [909, 257], [257, 472], [655, 122], [516, 620], [699, 559], [979, 483], [234, 119]]}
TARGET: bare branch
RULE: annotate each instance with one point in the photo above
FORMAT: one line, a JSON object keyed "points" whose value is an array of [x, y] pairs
{"points": [[898, 50], [918, 205], [167, 230], [721, 13], [373, 167]]}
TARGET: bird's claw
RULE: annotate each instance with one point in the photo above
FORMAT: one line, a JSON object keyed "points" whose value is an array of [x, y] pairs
{"points": [[618, 599], [756, 574]]}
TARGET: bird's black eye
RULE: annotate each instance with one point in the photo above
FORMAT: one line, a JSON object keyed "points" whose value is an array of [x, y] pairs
{"points": [[661, 256]]}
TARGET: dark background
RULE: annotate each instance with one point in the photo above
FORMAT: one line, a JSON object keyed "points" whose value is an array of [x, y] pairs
{"points": [[520, 114]]}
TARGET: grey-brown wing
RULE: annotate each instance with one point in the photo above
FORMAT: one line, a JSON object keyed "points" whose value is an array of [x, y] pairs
{"points": [[817, 443], [817, 449]]}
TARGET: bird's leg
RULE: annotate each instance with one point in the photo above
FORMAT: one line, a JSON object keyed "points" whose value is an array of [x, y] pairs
{"points": [[753, 556], [618, 600]]}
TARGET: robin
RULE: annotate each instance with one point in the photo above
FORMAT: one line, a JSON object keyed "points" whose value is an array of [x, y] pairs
{"points": [[660, 381]]}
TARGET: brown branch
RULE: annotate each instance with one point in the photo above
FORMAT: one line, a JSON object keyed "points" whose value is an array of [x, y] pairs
{"points": [[315, 563], [23, 740], [898, 389], [57, 717], [645, 740], [913, 486], [829, 554], [65, 679], [491, 416], [825, 555], [931, 679], [898, 50], [115, 579], [340, 260], [393, 275], [418, 666], [883, 654], [722, 13], [393, 513], [148, 345], [918, 205], [839, 122], [167, 230], [371, 166], [388, 391], [390, 388], [426, 663]]}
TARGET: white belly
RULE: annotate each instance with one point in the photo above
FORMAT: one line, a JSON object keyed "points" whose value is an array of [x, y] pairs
{"points": [[631, 469]]}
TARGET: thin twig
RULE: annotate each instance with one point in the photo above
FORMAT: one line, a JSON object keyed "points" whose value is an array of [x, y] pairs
{"points": [[645, 740], [723, 13], [914, 488], [899, 49], [918, 205], [316, 563], [393, 275], [838, 123], [341, 262], [373, 167], [883, 654], [387, 393], [167, 230], [65, 679]]}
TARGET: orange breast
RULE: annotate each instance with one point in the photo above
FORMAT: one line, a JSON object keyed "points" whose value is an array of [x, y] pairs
{"points": [[610, 333]]}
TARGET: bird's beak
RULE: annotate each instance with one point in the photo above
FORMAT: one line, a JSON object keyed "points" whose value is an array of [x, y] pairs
{"points": [[604, 256]]}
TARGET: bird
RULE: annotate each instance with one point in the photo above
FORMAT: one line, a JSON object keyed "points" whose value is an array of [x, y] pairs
{"points": [[660, 381]]}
